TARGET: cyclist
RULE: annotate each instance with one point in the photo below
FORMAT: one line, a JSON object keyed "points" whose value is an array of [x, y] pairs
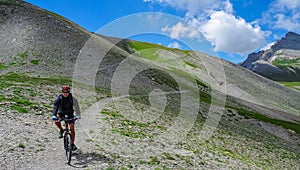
{"points": [[64, 105]]}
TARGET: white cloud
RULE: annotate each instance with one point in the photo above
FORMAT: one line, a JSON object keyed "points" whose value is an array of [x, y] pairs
{"points": [[228, 6], [290, 4], [194, 7], [181, 31], [286, 22], [174, 45], [230, 34], [284, 14], [215, 20]]}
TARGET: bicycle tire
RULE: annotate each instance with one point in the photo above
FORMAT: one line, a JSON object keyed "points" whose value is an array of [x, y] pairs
{"points": [[68, 147]]}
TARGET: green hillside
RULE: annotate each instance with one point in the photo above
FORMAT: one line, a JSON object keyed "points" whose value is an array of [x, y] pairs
{"points": [[282, 63], [293, 85]]}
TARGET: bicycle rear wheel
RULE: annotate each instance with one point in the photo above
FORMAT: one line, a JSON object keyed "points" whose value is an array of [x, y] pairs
{"points": [[68, 147]]}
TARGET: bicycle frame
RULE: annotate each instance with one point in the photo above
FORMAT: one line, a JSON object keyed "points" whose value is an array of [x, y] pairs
{"points": [[67, 137]]}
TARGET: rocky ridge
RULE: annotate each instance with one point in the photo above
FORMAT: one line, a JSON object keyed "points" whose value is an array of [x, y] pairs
{"points": [[29, 34], [280, 62]]}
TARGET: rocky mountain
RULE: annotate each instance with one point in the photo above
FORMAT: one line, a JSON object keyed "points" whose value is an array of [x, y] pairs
{"points": [[30, 34], [281, 62], [144, 106]]}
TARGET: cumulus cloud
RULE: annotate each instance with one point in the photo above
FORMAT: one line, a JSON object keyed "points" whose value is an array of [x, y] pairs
{"points": [[181, 31], [214, 20], [230, 34], [174, 45]]}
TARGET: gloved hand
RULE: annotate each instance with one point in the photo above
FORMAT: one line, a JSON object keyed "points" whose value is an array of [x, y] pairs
{"points": [[78, 117], [54, 118]]}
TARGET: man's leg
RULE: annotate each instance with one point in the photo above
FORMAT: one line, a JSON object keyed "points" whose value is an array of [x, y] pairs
{"points": [[72, 127], [58, 124]]}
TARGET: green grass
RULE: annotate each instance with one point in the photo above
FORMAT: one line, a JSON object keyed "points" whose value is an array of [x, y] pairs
{"points": [[2, 98], [23, 55], [19, 103], [254, 115], [19, 90], [154, 160], [35, 62], [23, 102], [205, 97], [161, 78], [12, 63], [12, 78], [190, 64], [126, 127], [168, 156], [2, 66], [139, 46], [150, 55], [144, 45], [286, 62], [205, 92], [293, 85], [110, 113], [21, 145], [128, 133], [20, 109]]}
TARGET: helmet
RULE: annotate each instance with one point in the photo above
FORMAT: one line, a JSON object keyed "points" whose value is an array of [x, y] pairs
{"points": [[65, 89]]}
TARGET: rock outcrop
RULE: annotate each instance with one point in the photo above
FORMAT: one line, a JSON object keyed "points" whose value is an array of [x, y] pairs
{"points": [[281, 62]]}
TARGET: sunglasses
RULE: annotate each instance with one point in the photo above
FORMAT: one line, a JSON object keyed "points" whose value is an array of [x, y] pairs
{"points": [[65, 92]]}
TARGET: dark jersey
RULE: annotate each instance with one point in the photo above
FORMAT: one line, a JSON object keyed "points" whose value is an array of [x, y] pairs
{"points": [[63, 104]]}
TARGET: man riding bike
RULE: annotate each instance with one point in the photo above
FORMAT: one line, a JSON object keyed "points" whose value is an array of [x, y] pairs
{"points": [[64, 105]]}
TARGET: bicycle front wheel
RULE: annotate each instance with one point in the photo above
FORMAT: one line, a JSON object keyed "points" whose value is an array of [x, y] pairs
{"points": [[68, 147]]}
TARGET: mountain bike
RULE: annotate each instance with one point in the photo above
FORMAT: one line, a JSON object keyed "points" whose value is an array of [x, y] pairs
{"points": [[67, 137]]}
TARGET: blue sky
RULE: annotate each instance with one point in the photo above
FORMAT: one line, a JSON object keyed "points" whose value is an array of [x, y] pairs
{"points": [[230, 29]]}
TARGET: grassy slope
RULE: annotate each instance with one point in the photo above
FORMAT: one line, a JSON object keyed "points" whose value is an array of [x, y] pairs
{"points": [[293, 85], [235, 128], [286, 65], [282, 63], [142, 48], [19, 92]]}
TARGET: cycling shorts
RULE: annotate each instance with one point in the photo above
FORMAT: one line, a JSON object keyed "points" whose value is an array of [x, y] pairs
{"points": [[68, 115]]}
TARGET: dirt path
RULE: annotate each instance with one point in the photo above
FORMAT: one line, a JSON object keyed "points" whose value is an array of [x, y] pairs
{"points": [[30, 141]]}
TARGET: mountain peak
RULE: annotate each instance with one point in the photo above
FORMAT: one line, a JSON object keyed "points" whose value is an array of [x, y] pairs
{"points": [[290, 41], [291, 34], [287, 49]]}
